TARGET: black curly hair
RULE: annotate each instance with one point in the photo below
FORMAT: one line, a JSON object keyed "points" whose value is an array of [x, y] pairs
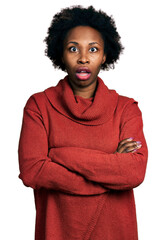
{"points": [[74, 16]]}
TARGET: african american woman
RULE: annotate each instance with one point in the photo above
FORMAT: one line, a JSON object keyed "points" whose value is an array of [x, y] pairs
{"points": [[82, 147]]}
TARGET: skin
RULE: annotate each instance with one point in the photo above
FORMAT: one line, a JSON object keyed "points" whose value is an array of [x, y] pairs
{"points": [[84, 47], [128, 145]]}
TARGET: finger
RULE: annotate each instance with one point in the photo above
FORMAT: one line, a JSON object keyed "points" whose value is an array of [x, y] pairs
{"points": [[129, 146], [125, 141], [126, 144], [133, 148]]}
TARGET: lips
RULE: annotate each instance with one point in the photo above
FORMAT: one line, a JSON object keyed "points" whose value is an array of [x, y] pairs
{"points": [[83, 73]]}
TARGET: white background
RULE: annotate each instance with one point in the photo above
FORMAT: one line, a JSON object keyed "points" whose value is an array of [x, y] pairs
{"points": [[140, 74]]}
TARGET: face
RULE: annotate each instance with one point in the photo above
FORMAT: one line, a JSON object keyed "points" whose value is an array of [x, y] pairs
{"points": [[83, 56]]}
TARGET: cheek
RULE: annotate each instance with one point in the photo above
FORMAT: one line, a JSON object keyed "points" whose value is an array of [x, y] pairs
{"points": [[97, 59], [68, 61], [96, 63]]}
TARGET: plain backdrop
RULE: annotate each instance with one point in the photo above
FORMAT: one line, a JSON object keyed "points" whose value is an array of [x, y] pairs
{"points": [[140, 73]]}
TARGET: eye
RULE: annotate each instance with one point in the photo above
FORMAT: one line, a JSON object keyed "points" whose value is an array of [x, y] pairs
{"points": [[73, 49], [93, 49]]}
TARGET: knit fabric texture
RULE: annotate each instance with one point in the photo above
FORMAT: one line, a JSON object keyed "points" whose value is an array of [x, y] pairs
{"points": [[83, 189]]}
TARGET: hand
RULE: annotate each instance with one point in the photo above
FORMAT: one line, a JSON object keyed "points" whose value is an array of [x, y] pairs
{"points": [[128, 145]]}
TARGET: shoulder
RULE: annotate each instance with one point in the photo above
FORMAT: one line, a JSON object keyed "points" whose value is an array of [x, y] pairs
{"points": [[126, 106], [38, 100], [124, 100]]}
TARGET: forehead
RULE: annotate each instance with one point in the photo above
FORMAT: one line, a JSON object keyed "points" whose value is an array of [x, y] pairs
{"points": [[84, 34]]}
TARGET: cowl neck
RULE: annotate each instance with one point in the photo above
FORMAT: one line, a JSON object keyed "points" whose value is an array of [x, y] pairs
{"points": [[91, 111]]}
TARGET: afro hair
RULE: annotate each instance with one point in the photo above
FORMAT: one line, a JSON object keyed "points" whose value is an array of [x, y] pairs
{"points": [[75, 16]]}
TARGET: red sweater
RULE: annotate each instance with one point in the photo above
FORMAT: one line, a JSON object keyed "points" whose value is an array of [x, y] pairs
{"points": [[83, 191]]}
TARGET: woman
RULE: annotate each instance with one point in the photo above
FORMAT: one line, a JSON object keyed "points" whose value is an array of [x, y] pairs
{"points": [[82, 147]]}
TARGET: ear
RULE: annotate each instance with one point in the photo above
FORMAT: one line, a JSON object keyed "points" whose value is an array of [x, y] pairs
{"points": [[104, 59]]}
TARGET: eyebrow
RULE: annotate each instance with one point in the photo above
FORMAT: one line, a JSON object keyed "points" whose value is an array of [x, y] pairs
{"points": [[76, 43]]}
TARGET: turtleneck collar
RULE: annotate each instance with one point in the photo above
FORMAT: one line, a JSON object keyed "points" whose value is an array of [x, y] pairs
{"points": [[92, 111]]}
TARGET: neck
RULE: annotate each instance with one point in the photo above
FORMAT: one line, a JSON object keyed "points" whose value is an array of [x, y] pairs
{"points": [[86, 92]]}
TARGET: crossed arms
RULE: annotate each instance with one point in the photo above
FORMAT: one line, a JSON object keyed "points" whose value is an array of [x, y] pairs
{"points": [[81, 171]]}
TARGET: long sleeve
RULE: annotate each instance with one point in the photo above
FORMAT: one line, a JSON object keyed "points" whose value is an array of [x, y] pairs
{"points": [[37, 170], [67, 155], [118, 171]]}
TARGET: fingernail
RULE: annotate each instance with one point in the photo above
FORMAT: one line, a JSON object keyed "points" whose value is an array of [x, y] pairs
{"points": [[139, 144], [131, 138]]}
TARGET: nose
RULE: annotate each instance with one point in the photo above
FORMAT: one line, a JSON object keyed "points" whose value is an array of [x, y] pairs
{"points": [[83, 58]]}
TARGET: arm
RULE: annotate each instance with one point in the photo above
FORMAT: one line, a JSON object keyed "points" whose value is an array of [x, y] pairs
{"points": [[118, 171], [37, 170]]}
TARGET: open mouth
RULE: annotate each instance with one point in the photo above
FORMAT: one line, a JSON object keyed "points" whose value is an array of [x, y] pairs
{"points": [[83, 73]]}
